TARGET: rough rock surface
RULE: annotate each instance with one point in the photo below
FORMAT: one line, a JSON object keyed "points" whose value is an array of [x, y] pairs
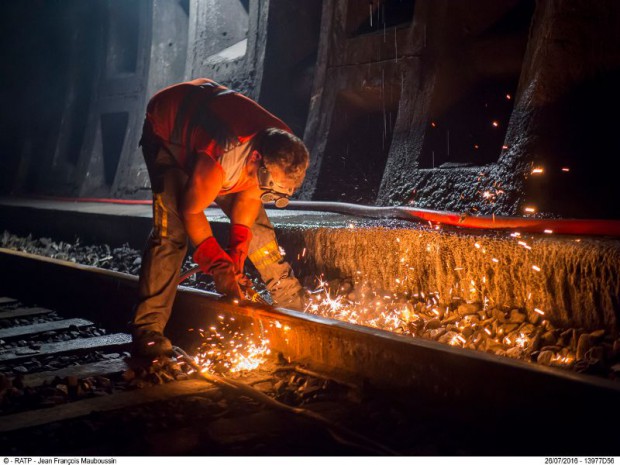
{"points": [[574, 281]]}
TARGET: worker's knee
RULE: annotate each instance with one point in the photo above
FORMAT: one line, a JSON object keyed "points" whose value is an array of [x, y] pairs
{"points": [[171, 239]]}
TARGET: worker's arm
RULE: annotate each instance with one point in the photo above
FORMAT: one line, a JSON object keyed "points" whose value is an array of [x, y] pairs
{"points": [[200, 191], [245, 207]]}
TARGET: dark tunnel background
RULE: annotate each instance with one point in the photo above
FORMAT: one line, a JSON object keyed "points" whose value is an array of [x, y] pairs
{"points": [[408, 105], [35, 78]]}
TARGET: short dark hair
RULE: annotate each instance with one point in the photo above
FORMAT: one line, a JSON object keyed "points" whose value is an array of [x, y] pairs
{"points": [[285, 150]]}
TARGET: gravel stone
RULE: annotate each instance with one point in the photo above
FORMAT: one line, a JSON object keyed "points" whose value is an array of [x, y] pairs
{"points": [[544, 358], [583, 345], [516, 316], [469, 309]]}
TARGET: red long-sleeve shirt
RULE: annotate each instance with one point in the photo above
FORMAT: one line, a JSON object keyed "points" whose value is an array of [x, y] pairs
{"points": [[201, 117]]}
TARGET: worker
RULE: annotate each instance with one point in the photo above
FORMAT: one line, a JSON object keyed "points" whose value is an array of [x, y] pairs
{"points": [[204, 143]]}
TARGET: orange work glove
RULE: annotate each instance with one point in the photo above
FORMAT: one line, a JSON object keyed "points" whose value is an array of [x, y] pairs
{"points": [[238, 245], [212, 260]]}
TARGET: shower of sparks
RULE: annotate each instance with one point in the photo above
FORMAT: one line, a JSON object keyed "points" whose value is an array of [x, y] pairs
{"points": [[560, 359], [464, 317], [226, 349], [522, 341], [426, 315], [373, 309]]}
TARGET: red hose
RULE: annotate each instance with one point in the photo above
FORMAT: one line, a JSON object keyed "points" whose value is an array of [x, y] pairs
{"points": [[593, 227], [94, 200], [533, 225]]}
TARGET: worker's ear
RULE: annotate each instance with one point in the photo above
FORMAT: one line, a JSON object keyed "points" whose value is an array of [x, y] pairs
{"points": [[255, 156]]}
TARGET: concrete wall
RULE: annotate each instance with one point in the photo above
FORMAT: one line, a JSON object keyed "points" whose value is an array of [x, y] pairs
{"points": [[411, 92], [98, 132], [466, 99], [220, 45], [355, 98], [564, 81]]}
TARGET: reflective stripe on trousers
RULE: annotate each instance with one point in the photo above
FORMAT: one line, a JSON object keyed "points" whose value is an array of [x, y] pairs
{"points": [[166, 246]]}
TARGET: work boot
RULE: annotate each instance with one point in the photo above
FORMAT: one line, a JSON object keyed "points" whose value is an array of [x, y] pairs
{"points": [[150, 344]]}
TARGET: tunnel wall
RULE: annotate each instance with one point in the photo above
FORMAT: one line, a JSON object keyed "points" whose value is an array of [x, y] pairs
{"points": [[482, 99], [421, 69], [225, 40], [110, 70], [123, 52], [431, 103], [355, 97], [101, 122], [564, 75]]}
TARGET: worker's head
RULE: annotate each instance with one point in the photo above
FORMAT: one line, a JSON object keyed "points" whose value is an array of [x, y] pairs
{"points": [[283, 159], [284, 152]]}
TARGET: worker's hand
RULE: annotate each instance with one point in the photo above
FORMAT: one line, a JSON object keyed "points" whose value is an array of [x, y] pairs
{"points": [[212, 260], [226, 283], [238, 245]]}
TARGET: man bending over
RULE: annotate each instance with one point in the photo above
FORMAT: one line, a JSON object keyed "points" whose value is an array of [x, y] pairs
{"points": [[204, 143]]}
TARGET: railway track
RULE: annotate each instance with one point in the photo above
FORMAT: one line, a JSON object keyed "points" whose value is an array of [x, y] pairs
{"points": [[85, 373], [57, 373], [66, 357]]}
